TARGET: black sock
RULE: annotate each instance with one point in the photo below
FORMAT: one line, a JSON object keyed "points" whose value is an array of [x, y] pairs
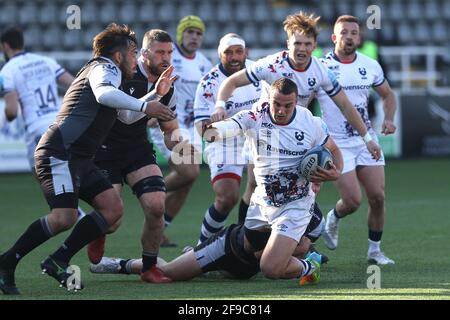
{"points": [[167, 220], [335, 213], [123, 266], [37, 233], [243, 207], [89, 228], [149, 259], [375, 235]]}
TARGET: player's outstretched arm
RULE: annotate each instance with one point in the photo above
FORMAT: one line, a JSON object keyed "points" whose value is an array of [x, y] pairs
{"points": [[65, 79], [238, 79], [221, 130], [172, 135]]}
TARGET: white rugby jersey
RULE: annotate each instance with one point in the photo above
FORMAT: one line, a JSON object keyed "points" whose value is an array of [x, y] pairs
{"points": [[33, 77], [356, 78], [243, 98], [189, 72], [277, 151], [309, 80]]}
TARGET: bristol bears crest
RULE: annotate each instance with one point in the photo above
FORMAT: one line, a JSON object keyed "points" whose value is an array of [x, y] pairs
{"points": [[362, 72], [311, 82]]}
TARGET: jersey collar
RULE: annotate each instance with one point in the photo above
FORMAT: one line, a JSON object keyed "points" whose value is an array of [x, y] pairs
{"points": [[21, 53], [335, 57], [300, 70], [222, 68], [141, 67], [181, 52], [290, 121], [107, 59]]}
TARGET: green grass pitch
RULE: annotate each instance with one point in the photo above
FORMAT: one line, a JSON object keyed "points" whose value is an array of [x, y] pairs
{"points": [[416, 236]]}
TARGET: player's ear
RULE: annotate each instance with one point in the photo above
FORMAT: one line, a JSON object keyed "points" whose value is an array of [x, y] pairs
{"points": [[333, 38], [144, 53], [117, 57]]}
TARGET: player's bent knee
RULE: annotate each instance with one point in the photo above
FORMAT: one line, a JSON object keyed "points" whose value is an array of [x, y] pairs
{"points": [[190, 172], [62, 220], [113, 212], [149, 185], [352, 204], [225, 203], [271, 271], [112, 228]]}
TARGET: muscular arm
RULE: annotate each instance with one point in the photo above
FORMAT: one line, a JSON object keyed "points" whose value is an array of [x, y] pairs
{"points": [[65, 79], [221, 130], [202, 125], [334, 172], [389, 106], [169, 129], [336, 153], [238, 79], [11, 105]]}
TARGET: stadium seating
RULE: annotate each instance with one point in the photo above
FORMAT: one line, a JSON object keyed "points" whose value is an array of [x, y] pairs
{"points": [[403, 22]]}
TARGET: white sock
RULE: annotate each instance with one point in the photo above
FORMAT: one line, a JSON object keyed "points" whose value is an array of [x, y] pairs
{"points": [[308, 267], [374, 246]]}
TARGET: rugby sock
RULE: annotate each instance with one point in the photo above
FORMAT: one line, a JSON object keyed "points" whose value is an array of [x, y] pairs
{"points": [[167, 220], [86, 230], [335, 214], [213, 222], [307, 267], [81, 214], [36, 234], [125, 266], [374, 240], [243, 207], [149, 259]]}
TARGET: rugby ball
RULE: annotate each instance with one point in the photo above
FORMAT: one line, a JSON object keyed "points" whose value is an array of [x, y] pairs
{"points": [[316, 157]]}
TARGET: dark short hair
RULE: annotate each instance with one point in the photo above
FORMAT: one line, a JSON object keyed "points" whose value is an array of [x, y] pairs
{"points": [[155, 35], [346, 18], [13, 36], [114, 38], [285, 86]]}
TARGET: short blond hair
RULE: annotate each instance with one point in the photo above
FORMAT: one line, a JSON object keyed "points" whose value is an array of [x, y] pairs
{"points": [[302, 22]]}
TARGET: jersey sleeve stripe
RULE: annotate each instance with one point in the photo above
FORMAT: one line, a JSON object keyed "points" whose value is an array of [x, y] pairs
{"points": [[334, 91], [379, 83], [201, 117], [325, 140], [104, 84], [6, 90], [237, 123], [251, 76], [60, 72]]}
